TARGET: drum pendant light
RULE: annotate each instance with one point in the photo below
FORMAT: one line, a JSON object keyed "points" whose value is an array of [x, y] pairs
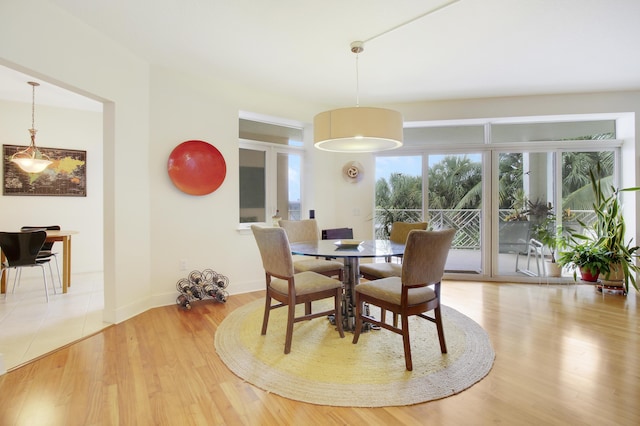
{"points": [[362, 129], [357, 129]]}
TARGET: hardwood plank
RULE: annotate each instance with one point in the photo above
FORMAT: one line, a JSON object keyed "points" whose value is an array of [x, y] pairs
{"points": [[564, 355]]}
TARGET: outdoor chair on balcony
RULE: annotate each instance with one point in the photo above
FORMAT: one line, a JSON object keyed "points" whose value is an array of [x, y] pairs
{"points": [[515, 237]]}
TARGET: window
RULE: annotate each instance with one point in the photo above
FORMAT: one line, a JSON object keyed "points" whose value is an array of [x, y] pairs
{"points": [[557, 131], [529, 169], [270, 171], [398, 192], [252, 185]]}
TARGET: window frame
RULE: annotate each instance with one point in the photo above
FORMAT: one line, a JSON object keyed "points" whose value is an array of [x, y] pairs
{"points": [[271, 151], [489, 150]]}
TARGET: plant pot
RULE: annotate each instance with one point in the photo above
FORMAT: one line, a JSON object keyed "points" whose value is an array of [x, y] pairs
{"points": [[615, 277], [586, 275], [553, 269]]}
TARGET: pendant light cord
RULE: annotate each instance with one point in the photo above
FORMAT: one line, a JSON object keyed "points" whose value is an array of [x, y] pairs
{"points": [[33, 105], [33, 130], [449, 3], [358, 46], [357, 82]]}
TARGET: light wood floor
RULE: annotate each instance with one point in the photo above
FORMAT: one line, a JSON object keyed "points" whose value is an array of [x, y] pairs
{"points": [[564, 355]]}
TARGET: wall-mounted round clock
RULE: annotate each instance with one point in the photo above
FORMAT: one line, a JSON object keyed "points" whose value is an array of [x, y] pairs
{"points": [[196, 167], [352, 172]]}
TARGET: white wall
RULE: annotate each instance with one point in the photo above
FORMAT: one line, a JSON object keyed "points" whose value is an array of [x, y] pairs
{"points": [[203, 230], [55, 47], [69, 129], [149, 226]]}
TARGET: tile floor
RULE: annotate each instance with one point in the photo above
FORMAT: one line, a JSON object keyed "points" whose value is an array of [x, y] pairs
{"points": [[31, 327]]}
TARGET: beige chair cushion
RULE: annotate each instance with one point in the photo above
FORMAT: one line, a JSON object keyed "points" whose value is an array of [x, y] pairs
{"points": [[390, 289], [382, 270], [316, 265], [306, 282]]}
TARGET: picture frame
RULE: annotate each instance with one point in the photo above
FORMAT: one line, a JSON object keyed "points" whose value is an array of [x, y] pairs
{"points": [[65, 177]]}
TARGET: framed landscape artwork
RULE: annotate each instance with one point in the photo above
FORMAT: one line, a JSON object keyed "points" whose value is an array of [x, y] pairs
{"points": [[65, 177]]}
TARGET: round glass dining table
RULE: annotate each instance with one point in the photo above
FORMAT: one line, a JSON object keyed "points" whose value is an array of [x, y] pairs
{"points": [[351, 252]]}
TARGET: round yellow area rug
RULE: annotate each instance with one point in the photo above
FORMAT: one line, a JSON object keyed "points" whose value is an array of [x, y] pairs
{"points": [[324, 369]]}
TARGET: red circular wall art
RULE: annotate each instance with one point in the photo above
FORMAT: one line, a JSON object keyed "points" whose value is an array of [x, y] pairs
{"points": [[196, 167]]}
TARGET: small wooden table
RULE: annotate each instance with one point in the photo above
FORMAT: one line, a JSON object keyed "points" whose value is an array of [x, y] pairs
{"points": [[63, 236]]}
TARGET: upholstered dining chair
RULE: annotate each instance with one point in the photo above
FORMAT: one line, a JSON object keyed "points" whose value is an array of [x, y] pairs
{"points": [[46, 252], [307, 230], [290, 288], [399, 234], [411, 294], [21, 251]]}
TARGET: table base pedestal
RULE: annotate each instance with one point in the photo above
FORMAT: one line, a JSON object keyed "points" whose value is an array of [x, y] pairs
{"points": [[349, 319]]}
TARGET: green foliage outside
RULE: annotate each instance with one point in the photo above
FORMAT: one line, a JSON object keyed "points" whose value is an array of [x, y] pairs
{"points": [[456, 183]]}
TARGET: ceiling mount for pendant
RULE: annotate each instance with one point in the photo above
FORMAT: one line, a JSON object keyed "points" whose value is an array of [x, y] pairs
{"points": [[357, 47]]}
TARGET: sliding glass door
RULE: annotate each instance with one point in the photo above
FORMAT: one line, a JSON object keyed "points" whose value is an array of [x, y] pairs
{"points": [[453, 195], [542, 193], [504, 186], [525, 205], [398, 193], [454, 201]]}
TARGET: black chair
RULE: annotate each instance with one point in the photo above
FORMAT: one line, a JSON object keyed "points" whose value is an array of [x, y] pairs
{"points": [[46, 252], [21, 251], [337, 234]]}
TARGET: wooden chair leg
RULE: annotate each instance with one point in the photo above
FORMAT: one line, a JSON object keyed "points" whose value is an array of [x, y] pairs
{"points": [[291, 311], [383, 315], [395, 320], [438, 320], [407, 344], [267, 309], [307, 308], [338, 313]]}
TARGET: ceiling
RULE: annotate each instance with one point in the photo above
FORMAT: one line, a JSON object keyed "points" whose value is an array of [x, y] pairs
{"points": [[300, 49]]}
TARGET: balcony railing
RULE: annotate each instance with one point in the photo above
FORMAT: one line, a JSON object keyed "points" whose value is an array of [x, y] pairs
{"points": [[466, 221]]}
